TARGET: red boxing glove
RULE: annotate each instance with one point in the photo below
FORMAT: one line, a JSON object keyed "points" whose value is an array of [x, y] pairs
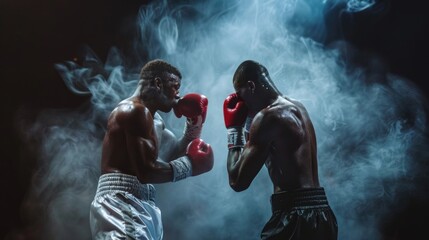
{"points": [[201, 156], [234, 111], [235, 114], [192, 106]]}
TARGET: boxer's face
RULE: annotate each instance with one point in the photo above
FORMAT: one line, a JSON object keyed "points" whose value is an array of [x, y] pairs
{"points": [[170, 91], [244, 91]]}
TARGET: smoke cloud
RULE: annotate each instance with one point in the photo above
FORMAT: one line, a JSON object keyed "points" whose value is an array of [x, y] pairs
{"points": [[370, 124]]}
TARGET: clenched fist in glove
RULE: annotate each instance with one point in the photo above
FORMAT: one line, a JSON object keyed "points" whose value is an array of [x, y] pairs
{"points": [[194, 107], [198, 160], [235, 114], [201, 156]]}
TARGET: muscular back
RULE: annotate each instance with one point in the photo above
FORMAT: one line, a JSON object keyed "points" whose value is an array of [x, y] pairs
{"points": [[130, 141], [292, 150], [281, 137]]}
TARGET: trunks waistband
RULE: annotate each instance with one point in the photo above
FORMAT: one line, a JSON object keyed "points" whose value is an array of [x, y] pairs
{"points": [[119, 182], [305, 198]]}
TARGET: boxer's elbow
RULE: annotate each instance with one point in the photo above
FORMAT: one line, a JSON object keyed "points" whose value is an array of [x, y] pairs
{"points": [[238, 186]]}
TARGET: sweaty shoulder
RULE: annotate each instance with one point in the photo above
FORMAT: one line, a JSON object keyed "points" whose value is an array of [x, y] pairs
{"points": [[279, 110], [283, 115], [131, 113], [265, 123]]}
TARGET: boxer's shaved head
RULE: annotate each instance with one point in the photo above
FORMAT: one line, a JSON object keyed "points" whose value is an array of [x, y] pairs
{"points": [[250, 70]]}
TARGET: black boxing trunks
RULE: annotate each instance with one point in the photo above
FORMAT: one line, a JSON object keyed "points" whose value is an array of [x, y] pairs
{"points": [[301, 214]]}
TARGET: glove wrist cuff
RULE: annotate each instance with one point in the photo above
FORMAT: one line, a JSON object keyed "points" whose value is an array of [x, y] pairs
{"points": [[192, 129], [182, 168], [235, 137]]}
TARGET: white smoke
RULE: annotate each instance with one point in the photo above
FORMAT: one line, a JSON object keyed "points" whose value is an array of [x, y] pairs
{"points": [[367, 130]]}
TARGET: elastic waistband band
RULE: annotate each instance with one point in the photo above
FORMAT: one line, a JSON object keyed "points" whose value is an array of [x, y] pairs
{"points": [[304, 198], [119, 182]]}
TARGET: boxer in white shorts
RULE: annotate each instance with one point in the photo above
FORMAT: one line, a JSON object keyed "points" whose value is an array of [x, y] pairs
{"points": [[138, 151]]}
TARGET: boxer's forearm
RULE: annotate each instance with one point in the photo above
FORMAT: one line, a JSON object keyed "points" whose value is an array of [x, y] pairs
{"points": [[232, 166], [171, 147], [156, 172]]}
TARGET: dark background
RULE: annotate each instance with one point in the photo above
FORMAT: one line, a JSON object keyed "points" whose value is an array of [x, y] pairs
{"points": [[37, 34]]}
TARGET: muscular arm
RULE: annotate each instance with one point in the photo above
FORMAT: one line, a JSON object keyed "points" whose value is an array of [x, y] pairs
{"points": [[268, 125], [243, 164], [142, 146], [170, 147], [194, 107]]}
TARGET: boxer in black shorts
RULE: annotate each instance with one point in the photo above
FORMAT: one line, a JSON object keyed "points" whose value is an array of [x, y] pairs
{"points": [[265, 127]]}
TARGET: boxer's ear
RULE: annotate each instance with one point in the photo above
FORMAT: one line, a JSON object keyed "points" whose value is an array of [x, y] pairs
{"points": [[158, 83]]}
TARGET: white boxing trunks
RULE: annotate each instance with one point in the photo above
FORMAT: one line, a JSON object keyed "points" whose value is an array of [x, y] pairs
{"points": [[123, 208]]}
